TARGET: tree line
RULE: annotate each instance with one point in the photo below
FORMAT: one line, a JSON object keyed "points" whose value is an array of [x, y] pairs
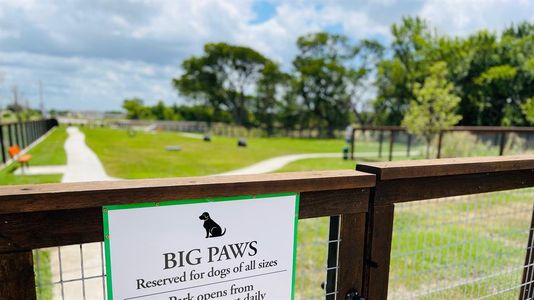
{"points": [[421, 78]]}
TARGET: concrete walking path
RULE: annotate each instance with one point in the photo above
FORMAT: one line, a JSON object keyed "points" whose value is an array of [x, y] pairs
{"points": [[276, 163], [82, 162], [82, 165]]}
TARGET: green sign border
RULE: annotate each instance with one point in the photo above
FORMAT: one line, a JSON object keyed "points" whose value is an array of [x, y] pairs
{"points": [[107, 208]]}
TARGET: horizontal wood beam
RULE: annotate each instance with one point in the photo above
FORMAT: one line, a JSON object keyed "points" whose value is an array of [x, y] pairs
{"points": [[411, 189], [46, 197], [33, 230], [446, 166], [478, 129]]}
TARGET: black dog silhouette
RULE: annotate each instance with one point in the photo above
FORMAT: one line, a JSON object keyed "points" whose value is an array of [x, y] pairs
{"points": [[212, 229]]}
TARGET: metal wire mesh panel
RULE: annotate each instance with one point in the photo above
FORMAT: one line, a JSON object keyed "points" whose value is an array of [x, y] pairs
{"points": [[78, 271], [469, 247], [316, 269], [70, 272]]}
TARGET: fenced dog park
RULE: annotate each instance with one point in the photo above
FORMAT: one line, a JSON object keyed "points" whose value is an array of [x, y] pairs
{"points": [[452, 228]]}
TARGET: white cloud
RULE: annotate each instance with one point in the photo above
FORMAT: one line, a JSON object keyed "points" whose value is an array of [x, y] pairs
{"points": [[457, 17], [93, 54]]}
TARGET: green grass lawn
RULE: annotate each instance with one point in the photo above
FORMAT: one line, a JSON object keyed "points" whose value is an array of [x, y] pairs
{"points": [[48, 152], [144, 155]]}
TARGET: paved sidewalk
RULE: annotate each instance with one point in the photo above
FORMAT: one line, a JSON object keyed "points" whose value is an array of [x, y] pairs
{"points": [[82, 162], [276, 163], [82, 165]]}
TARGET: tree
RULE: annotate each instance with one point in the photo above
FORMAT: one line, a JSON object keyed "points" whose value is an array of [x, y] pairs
{"points": [[224, 77], [397, 76], [528, 110], [162, 112], [271, 89], [434, 105], [322, 80], [368, 53], [135, 109]]}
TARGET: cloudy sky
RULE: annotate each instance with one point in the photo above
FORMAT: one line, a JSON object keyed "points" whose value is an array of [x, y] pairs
{"points": [[90, 55]]}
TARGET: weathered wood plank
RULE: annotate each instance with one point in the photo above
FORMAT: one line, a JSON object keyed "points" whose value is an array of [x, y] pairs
{"points": [[17, 281], [28, 198], [32, 230], [351, 253], [411, 189], [446, 166], [330, 203], [379, 235]]}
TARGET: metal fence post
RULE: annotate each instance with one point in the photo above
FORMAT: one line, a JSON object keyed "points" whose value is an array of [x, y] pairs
{"points": [[391, 143], [527, 281], [10, 135], [503, 143], [380, 141], [17, 137], [2, 147], [440, 140], [352, 143], [409, 145]]}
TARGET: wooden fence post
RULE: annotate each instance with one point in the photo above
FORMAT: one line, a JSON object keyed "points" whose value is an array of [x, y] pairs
{"points": [[17, 280], [377, 253], [440, 141], [527, 290], [503, 143], [380, 141], [409, 145], [351, 254]]}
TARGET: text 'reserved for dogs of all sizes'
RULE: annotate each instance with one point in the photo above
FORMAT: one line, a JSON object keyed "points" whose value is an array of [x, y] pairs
{"points": [[239, 248]]}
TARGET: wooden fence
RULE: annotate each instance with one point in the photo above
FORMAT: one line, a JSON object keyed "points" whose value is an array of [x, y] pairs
{"points": [[500, 136], [22, 134], [361, 201]]}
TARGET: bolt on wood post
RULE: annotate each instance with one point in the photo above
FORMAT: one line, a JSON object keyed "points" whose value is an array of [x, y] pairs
{"points": [[527, 288], [17, 279]]}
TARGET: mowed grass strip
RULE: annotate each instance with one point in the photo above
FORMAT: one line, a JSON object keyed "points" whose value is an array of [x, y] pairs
{"points": [[49, 152], [144, 155]]}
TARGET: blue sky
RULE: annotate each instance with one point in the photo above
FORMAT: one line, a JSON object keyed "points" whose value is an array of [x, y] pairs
{"points": [[90, 55]]}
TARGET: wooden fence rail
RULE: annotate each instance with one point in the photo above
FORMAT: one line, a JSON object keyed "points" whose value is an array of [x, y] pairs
{"points": [[501, 136], [38, 216]]}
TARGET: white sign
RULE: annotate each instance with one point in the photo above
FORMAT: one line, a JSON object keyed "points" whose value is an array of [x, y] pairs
{"points": [[240, 248]]}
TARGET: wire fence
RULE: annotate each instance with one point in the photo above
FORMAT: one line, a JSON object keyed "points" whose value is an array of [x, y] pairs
{"points": [[78, 271], [469, 247]]}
